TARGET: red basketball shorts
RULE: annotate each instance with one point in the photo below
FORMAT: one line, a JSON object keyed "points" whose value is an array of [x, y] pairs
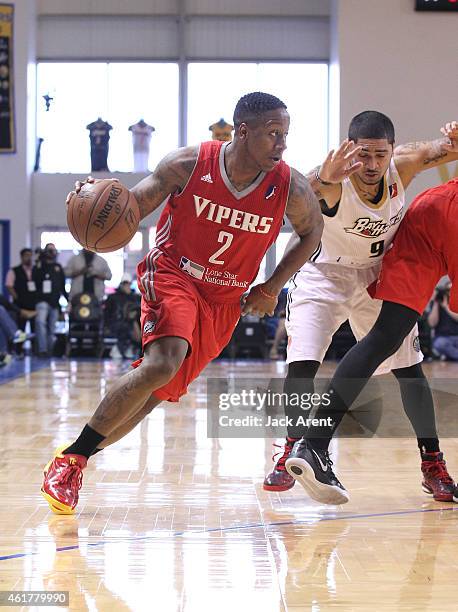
{"points": [[173, 306], [424, 249]]}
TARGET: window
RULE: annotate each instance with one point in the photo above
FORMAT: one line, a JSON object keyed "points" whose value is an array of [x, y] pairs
{"points": [[291, 82], [120, 94], [67, 247]]}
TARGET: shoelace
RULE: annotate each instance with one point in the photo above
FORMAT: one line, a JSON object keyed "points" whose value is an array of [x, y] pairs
{"points": [[328, 460], [438, 469], [69, 473], [287, 448]]}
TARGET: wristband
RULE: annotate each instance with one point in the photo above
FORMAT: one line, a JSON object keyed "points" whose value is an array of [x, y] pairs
{"points": [[320, 180], [267, 295]]}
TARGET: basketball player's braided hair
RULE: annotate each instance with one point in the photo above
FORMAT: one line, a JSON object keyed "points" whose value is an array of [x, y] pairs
{"points": [[252, 105]]}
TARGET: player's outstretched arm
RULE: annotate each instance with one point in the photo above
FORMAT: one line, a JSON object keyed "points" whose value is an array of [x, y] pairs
{"points": [[414, 157], [325, 180], [170, 176]]}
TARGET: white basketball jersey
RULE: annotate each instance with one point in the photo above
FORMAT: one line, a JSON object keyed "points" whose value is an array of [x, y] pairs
{"points": [[358, 234]]}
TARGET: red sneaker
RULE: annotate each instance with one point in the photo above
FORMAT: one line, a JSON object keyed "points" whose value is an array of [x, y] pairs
{"points": [[63, 477], [436, 480], [279, 479]]}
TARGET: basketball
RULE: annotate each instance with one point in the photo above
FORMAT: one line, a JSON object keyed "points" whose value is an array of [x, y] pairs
{"points": [[103, 216]]}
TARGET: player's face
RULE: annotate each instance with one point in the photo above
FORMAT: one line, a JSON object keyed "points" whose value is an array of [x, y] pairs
{"points": [[267, 140], [375, 156]]}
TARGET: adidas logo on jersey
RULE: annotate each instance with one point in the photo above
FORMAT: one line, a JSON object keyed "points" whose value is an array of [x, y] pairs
{"points": [[207, 178]]}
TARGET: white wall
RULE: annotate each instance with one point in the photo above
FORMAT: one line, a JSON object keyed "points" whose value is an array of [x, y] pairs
{"points": [[402, 63], [16, 169]]}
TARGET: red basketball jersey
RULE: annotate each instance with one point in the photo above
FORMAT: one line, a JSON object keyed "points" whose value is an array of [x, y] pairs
{"points": [[216, 234]]}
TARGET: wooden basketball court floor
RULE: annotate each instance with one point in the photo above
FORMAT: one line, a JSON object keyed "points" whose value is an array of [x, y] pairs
{"points": [[171, 520]]}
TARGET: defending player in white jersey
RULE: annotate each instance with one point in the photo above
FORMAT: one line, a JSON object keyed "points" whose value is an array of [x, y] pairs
{"points": [[361, 187]]}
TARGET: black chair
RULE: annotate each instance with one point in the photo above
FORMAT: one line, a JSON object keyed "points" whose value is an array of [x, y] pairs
{"points": [[249, 339], [85, 326]]}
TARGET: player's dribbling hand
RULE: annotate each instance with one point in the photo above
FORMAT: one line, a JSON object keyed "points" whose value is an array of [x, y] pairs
{"points": [[259, 302], [79, 184], [340, 164], [450, 130]]}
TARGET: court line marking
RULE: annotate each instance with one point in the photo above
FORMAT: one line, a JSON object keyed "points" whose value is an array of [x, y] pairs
{"points": [[235, 528]]}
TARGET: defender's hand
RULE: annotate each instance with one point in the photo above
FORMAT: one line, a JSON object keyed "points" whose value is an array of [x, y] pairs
{"points": [[340, 164], [259, 301], [450, 130]]}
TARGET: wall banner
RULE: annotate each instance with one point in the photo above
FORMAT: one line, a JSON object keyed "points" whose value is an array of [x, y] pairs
{"points": [[7, 132]]}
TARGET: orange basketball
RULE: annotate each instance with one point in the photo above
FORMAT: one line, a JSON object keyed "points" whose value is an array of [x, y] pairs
{"points": [[103, 216]]}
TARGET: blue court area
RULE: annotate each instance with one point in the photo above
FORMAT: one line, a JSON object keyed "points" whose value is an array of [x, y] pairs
{"points": [[22, 367]]}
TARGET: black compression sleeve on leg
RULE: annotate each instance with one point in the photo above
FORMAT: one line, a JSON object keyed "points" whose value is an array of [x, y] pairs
{"points": [[393, 324], [298, 381], [418, 405]]}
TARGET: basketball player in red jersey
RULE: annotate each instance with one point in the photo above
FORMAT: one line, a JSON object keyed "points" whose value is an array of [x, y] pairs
{"points": [[225, 207], [424, 250]]}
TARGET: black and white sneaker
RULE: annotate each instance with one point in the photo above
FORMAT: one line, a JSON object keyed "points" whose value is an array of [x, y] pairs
{"points": [[312, 468]]}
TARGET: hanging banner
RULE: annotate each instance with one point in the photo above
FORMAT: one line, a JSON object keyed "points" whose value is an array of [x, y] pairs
{"points": [[7, 140]]}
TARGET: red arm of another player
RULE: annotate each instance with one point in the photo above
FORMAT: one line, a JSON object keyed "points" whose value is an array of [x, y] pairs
{"points": [[171, 175]]}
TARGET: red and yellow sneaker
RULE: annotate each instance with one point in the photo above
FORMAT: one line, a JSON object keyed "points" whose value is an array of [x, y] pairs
{"points": [[279, 479], [436, 480], [63, 477]]}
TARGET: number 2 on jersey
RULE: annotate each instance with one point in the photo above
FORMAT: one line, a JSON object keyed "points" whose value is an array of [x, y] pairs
{"points": [[377, 248], [226, 238]]}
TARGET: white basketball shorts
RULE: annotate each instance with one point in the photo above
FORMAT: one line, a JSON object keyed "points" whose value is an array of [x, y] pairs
{"points": [[322, 297]]}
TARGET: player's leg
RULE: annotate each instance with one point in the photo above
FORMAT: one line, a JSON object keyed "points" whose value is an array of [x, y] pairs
{"points": [[419, 408], [310, 462], [316, 307], [128, 425], [416, 397], [63, 475]]}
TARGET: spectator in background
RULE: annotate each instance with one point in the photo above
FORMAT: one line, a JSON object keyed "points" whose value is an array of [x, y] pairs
{"points": [[88, 272], [9, 332], [22, 289], [49, 279], [122, 318], [444, 322]]}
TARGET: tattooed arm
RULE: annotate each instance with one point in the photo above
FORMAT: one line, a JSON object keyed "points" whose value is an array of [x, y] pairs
{"points": [[414, 157], [170, 176], [303, 212]]}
